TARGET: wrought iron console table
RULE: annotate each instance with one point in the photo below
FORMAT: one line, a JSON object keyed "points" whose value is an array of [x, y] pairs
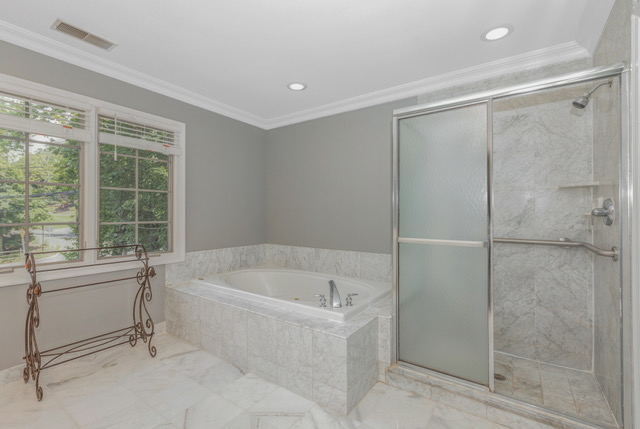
{"points": [[142, 328]]}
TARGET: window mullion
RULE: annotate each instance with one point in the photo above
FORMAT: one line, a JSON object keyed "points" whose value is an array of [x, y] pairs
{"points": [[137, 201], [89, 184], [27, 182]]}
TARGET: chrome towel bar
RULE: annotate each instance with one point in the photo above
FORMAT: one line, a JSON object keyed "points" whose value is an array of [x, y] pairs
{"points": [[563, 242]]}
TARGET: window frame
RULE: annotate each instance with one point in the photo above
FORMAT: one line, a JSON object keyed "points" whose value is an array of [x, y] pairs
{"points": [[90, 182], [28, 183]]}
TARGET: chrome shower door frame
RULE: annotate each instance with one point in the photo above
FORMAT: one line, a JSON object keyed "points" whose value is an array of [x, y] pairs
{"points": [[626, 209]]}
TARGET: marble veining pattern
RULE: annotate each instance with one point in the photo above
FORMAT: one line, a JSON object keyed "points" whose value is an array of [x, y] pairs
{"points": [[368, 266], [543, 297], [184, 387], [569, 391], [606, 148], [319, 359]]}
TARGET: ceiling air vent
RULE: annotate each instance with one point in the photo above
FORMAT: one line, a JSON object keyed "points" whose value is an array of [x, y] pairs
{"points": [[70, 30]]}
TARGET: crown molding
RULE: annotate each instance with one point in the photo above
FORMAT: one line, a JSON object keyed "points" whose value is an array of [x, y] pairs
{"points": [[27, 39], [52, 48], [535, 59]]}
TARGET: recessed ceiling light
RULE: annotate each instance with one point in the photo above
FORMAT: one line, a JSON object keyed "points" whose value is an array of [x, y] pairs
{"points": [[496, 33], [296, 86]]}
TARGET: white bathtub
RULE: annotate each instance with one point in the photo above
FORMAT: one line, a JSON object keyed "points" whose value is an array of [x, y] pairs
{"points": [[295, 290]]}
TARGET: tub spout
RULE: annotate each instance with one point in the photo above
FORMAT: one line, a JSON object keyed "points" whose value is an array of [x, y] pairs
{"points": [[334, 295]]}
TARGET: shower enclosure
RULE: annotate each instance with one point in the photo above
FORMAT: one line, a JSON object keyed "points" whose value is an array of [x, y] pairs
{"points": [[510, 209]]}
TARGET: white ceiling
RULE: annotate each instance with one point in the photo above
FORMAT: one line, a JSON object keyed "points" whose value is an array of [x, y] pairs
{"points": [[236, 57]]}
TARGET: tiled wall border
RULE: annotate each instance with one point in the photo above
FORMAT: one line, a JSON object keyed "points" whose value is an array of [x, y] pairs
{"points": [[364, 265]]}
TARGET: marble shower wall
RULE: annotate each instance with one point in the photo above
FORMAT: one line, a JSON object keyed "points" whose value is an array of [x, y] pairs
{"points": [[542, 148], [606, 153]]}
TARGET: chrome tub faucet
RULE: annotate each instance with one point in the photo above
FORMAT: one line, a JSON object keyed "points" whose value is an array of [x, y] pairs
{"points": [[334, 295]]}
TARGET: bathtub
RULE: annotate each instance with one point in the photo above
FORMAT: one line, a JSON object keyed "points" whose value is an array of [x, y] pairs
{"points": [[295, 290]]}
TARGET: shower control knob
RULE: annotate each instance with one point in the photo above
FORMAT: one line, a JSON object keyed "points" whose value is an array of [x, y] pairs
{"points": [[349, 300], [607, 211], [323, 300]]}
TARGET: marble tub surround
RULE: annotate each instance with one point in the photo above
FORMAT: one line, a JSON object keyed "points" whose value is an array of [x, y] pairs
{"points": [[329, 362], [201, 263], [543, 296], [364, 265]]}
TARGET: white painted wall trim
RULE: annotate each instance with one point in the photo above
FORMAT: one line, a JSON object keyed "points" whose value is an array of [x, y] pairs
{"points": [[52, 48], [38, 43], [530, 60]]}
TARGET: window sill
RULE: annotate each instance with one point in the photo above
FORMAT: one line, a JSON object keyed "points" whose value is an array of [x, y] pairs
{"points": [[20, 276]]}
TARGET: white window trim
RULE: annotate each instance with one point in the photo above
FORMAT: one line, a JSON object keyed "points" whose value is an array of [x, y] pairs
{"points": [[89, 182]]}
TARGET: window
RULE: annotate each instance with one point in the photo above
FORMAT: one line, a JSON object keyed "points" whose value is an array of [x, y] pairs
{"points": [[39, 179], [135, 190], [39, 195], [90, 175]]}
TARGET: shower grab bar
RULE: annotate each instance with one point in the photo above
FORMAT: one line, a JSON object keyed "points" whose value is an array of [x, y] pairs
{"points": [[564, 242]]}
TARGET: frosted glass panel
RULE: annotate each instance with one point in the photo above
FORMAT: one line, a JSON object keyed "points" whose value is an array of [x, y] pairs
{"points": [[443, 303], [443, 175]]}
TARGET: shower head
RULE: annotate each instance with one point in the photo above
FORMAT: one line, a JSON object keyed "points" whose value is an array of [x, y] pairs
{"points": [[582, 101]]}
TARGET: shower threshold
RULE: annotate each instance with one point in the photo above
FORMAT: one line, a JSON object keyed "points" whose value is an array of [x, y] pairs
{"points": [[477, 399]]}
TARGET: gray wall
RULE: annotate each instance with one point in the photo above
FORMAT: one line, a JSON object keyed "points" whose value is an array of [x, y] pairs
{"points": [[226, 194], [225, 197], [72, 315], [329, 181]]}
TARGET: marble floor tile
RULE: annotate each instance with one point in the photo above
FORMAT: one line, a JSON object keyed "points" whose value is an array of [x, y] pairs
{"points": [[71, 390], [317, 418], [450, 418], [191, 362], [398, 409], [569, 391], [134, 418], [183, 387], [216, 378], [165, 389], [248, 391], [248, 420], [103, 405], [213, 412], [20, 409], [166, 426], [283, 401]]}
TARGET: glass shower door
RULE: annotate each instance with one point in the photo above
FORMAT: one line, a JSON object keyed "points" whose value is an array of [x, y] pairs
{"points": [[443, 231]]}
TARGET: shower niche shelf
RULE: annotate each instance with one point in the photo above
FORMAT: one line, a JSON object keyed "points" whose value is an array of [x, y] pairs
{"points": [[579, 185], [141, 329]]}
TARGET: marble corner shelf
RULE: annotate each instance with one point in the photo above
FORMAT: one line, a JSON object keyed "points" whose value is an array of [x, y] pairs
{"points": [[578, 185]]}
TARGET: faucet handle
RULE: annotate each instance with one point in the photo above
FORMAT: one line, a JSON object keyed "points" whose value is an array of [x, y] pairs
{"points": [[349, 300], [323, 300]]}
